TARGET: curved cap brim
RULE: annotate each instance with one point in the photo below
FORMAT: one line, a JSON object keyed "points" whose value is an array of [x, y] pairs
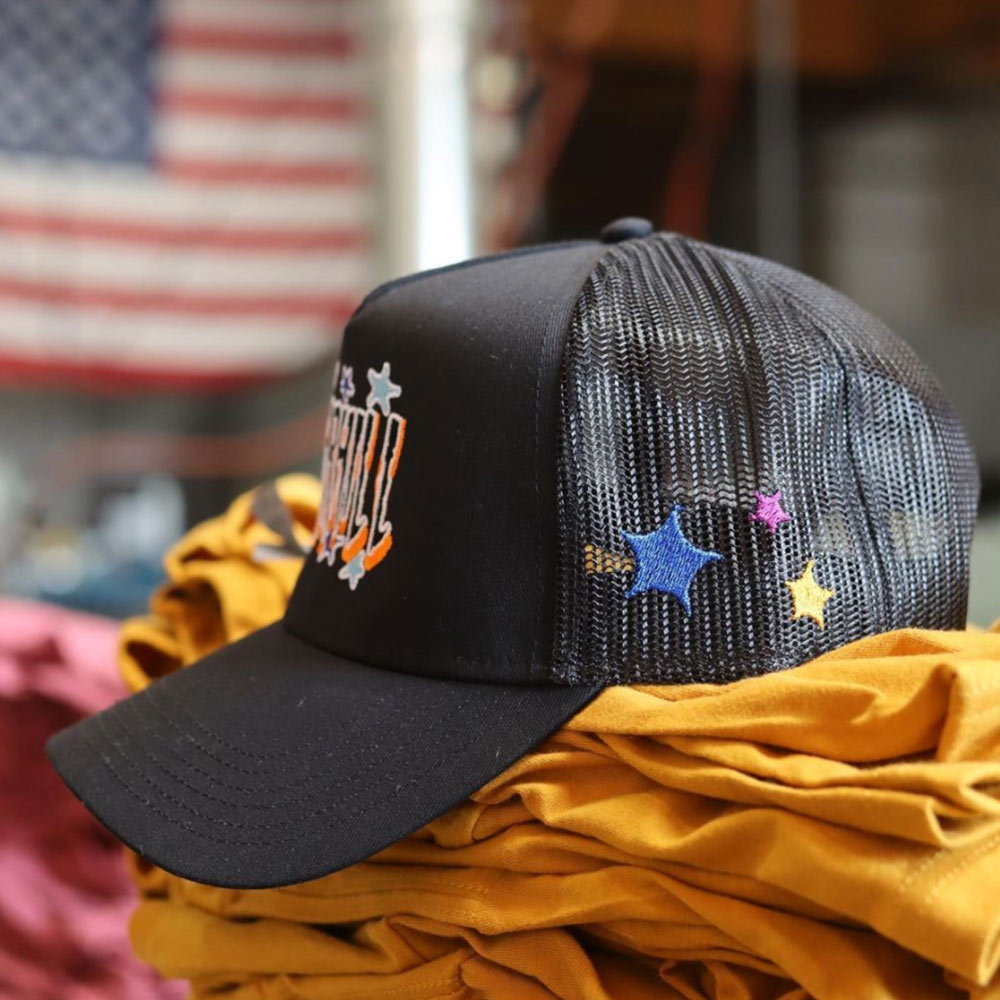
{"points": [[273, 762]]}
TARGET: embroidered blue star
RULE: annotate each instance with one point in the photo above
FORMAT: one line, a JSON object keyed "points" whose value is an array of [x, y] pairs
{"points": [[666, 561], [383, 389]]}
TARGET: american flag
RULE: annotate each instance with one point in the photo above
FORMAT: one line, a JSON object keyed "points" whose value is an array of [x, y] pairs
{"points": [[185, 186]]}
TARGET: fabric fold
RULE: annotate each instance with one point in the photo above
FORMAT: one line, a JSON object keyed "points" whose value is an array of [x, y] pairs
{"points": [[829, 831]]}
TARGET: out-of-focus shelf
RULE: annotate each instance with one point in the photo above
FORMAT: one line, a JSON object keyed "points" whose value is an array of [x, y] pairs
{"points": [[838, 39], [984, 597]]}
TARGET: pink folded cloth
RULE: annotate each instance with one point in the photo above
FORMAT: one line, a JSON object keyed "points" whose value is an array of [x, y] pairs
{"points": [[65, 895]]}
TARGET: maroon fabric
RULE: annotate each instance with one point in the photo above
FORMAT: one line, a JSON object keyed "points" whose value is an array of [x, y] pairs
{"points": [[65, 894]]}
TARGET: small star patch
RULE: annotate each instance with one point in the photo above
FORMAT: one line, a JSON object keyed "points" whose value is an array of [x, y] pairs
{"points": [[347, 383], [383, 390], [353, 570], [667, 561], [769, 510], [808, 596]]}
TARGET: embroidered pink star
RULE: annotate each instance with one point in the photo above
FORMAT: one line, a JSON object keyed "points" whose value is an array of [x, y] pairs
{"points": [[769, 510]]}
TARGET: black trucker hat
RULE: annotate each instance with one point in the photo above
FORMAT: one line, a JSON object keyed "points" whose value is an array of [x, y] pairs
{"points": [[636, 460]]}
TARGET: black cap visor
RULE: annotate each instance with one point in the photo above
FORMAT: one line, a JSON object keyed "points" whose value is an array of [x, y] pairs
{"points": [[273, 762]]}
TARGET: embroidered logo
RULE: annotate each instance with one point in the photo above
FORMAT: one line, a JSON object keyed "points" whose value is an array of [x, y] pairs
{"points": [[363, 445]]}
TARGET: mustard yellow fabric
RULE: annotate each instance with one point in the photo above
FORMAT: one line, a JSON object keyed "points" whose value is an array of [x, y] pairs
{"points": [[831, 831], [225, 578]]}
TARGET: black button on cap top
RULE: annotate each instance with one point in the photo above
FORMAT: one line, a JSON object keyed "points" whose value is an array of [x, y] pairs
{"points": [[629, 228]]}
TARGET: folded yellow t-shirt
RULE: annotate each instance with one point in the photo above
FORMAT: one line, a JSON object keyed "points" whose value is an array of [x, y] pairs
{"points": [[830, 831]]}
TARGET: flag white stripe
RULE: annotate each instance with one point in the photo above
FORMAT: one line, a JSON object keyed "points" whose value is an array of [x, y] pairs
{"points": [[85, 336], [133, 193], [225, 140], [102, 264], [278, 15], [305, 76]]}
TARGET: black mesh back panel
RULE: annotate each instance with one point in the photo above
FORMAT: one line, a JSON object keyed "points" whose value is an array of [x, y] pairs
{"points": [[697, 383]]}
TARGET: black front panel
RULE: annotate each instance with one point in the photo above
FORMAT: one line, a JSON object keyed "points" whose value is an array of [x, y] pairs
{"points": [[435, 552]]}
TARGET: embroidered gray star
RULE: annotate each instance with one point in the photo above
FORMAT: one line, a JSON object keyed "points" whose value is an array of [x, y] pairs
{"points": [[383, 389], [353, 570]]}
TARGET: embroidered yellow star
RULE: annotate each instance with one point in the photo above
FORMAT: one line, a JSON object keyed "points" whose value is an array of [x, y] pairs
{"points": [[809, 597]]}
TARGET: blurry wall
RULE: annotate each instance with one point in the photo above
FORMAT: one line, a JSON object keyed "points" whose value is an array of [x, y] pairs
{"points": [[195, 193], [858, 141]]}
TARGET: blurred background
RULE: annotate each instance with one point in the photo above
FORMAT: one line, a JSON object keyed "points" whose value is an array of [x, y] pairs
{"points": [[194, 194]]}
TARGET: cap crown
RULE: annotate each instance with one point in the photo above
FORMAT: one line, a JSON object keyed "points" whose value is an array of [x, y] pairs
{"points": [[800, 443], [468, 587], [655, 461]]}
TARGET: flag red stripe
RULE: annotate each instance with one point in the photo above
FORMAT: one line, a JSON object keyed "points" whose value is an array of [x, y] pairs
{"points": [[333, 307], [261, 106], [214, 171], [109, 378], [248, 239], [279, 43]]}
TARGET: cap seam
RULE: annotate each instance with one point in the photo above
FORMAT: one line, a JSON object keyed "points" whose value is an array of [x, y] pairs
{"points": [[188, 808], [442, 760], [850, 387], [308, 745], [819, 315], [552, 673], [291, 801], [240, 770], [150, 804], [408, 279]]}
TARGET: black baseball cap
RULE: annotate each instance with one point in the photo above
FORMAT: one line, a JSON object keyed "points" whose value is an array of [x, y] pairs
{"points": [[641, 459]]}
